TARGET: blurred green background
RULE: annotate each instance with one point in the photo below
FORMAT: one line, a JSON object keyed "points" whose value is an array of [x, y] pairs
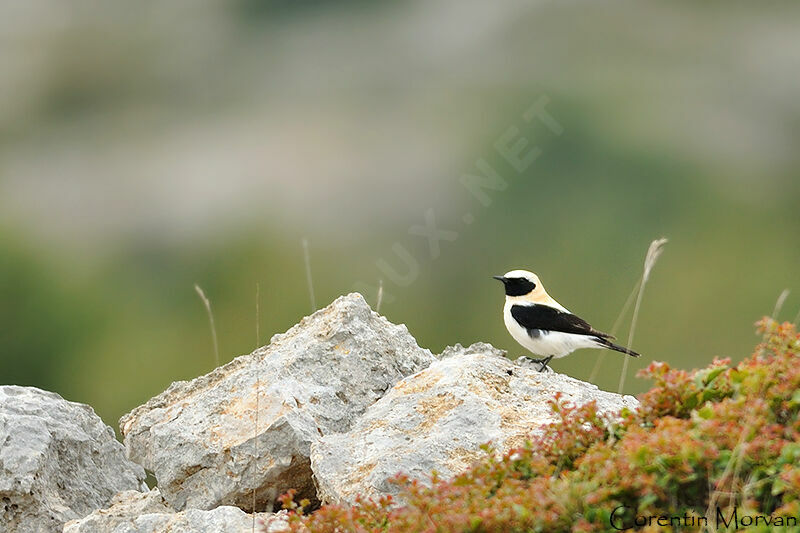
{"points": [[145, 147]]}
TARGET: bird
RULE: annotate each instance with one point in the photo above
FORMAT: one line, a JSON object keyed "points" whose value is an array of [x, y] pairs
{"points": [[545, 327]]}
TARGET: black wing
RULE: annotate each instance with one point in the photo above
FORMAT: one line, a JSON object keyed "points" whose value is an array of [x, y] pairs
{"points": [[544, 317]]}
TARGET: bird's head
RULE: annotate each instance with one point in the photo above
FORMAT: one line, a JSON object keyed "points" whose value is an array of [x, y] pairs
{"points": [[523, 285]]}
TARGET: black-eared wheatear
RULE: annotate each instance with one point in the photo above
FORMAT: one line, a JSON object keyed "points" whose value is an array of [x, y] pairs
{"points": [[544, 326]]}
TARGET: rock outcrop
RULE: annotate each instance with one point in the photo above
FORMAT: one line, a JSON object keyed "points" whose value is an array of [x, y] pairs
{"points": [[58, 461], [250, 424], [438, 418], [137, 512], [333, 408]]}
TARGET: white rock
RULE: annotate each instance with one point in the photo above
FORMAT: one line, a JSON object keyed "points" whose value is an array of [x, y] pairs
{"points": [[198, 437], [438, 418], [136, 512], [58, 461]]}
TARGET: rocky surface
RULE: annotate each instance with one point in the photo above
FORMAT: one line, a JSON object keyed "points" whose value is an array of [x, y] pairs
{"points": [[58, 461], [199, 437], [344, 395], [137, 512], [438, 418]]}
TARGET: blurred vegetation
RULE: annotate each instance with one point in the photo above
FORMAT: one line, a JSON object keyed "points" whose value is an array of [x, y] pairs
{"points": [[145, 149]]}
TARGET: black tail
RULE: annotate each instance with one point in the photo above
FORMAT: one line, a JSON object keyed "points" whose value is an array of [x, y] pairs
{"points": [[616, 347]]}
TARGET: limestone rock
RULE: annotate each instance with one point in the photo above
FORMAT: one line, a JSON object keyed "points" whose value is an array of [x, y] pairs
{"points": [[438, 418], [126, 507], [199, 437], [58, 461], [137, 512]]}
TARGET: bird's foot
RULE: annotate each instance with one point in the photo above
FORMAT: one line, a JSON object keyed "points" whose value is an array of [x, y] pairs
{"points": [[541, 362]]}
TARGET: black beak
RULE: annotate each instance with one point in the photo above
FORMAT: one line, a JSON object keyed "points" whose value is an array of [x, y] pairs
{"points": [[500, 278]]}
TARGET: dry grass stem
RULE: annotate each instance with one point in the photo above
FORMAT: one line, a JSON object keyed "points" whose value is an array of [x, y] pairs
{"points": [[653, 253], [258, 315], [207, 305], [734, 464], [779, 303], [380, 296], [258, 392], [617, 323], [309, 279]]}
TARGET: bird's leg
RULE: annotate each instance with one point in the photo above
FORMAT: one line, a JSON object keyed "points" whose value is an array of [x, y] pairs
{"points": [[544, 363]]}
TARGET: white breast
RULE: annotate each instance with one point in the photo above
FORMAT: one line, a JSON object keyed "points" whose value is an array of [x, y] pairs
{"points": [[546, 343]]}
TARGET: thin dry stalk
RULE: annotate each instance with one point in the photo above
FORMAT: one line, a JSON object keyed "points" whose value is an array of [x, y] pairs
{"points": [[779, 303], [762, 350], [207, 305], [309, 280], [258, 392], [653, 253], [258, 315], [617, 324], [734, 464], [380, 296]]}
